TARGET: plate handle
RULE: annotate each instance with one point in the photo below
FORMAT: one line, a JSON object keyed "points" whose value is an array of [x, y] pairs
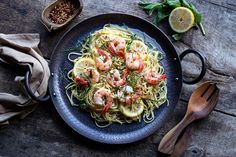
{"points": [[31, 94], [203, 70]]}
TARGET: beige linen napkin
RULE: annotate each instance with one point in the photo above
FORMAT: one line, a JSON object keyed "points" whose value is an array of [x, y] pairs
{"points": [[22, 50]]}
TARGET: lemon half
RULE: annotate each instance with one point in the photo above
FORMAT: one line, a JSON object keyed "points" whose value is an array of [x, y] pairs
{"points": [[81, 64], [133, 112], [181, 19]]}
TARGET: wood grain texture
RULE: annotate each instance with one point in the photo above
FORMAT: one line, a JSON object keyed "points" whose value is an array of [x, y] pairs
{"points": [[218, 46], [43, 133]]}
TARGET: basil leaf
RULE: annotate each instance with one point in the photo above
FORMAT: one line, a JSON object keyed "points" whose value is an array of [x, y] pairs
{"points": [[174, 3], [177, 36], [149, 7], [156, 7], [164, 8], [143, 3], [197, 15], [184, 3], [152, 6], [160, 16]]}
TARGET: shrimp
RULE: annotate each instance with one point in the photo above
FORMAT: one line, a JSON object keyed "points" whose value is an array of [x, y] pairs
{"points": [[93, 73], [114, 78], [127, 95], [153, 77], [80, 81], [101, 62], [134, 62], [117, 47], [104, 98], [90, 74]]}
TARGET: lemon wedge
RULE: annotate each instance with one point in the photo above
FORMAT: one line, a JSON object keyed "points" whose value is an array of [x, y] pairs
{"points": [[82, 64], [181, 19], [139, 47], [133, 111]]}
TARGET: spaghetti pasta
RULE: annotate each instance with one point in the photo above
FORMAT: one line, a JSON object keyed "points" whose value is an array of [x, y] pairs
{"points": [[116, 77]]}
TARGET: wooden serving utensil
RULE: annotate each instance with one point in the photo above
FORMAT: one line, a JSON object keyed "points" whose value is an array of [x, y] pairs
{"points": [[201, 103]]}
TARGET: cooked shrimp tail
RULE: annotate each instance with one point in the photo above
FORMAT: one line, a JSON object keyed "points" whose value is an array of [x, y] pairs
{"points": [[103, 63], [90, 75], [80, 81], [153, 77], [128, 96], [103, 97], [114, 78], [117, 47], [141, 67], [93, 73], [108, 105], [134, 62]]}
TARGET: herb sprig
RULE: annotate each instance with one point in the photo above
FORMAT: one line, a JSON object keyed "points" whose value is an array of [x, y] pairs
{"points": [[164, 8], [132, 79]]}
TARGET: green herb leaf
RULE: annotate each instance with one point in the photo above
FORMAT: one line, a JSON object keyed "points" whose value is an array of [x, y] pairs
{"points": [[152, 6], [173, 3], [197, 15], [184, 3], [149, 7], [164, 8], [133, 37], [132, 79], [157, 6], [160, 55], [143, 3], [177, 36], [160, 16], [83, 105], [81, 94]]}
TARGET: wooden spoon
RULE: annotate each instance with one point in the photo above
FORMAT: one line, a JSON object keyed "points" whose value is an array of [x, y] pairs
{"points": [[201, 103]]}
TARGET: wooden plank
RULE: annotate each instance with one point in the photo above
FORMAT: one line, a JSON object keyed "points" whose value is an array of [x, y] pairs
{"points": [[229, 4], [223, 76], [43, 133], [213, 136], [220, 55], [24, 17], [27, 14], [217, 131], [218, 46]]}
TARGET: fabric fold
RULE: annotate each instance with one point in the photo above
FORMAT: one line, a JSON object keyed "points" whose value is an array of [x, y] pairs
{"points": [[21, 50]]}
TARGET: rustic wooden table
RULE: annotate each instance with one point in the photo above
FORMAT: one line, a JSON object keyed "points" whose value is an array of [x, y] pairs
{"points": [[43, 133]]}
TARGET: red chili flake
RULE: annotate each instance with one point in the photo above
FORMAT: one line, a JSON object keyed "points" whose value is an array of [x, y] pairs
{"points": [[61, 12]]}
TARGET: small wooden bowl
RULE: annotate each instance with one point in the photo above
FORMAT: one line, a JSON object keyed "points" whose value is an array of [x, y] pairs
{"points": [[53, 26]]}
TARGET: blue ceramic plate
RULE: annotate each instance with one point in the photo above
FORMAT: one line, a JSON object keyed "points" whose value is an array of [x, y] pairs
{"points": [[81, 120]]}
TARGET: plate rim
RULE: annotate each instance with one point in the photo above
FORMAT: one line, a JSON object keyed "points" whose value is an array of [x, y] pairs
{"points": [[70, 123]]}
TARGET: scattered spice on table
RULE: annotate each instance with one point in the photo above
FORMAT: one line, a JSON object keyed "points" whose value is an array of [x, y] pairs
{"points": [[61, 12]]}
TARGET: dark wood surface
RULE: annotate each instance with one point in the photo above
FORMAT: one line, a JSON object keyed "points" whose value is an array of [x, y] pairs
{"points": [[43, 133]]}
